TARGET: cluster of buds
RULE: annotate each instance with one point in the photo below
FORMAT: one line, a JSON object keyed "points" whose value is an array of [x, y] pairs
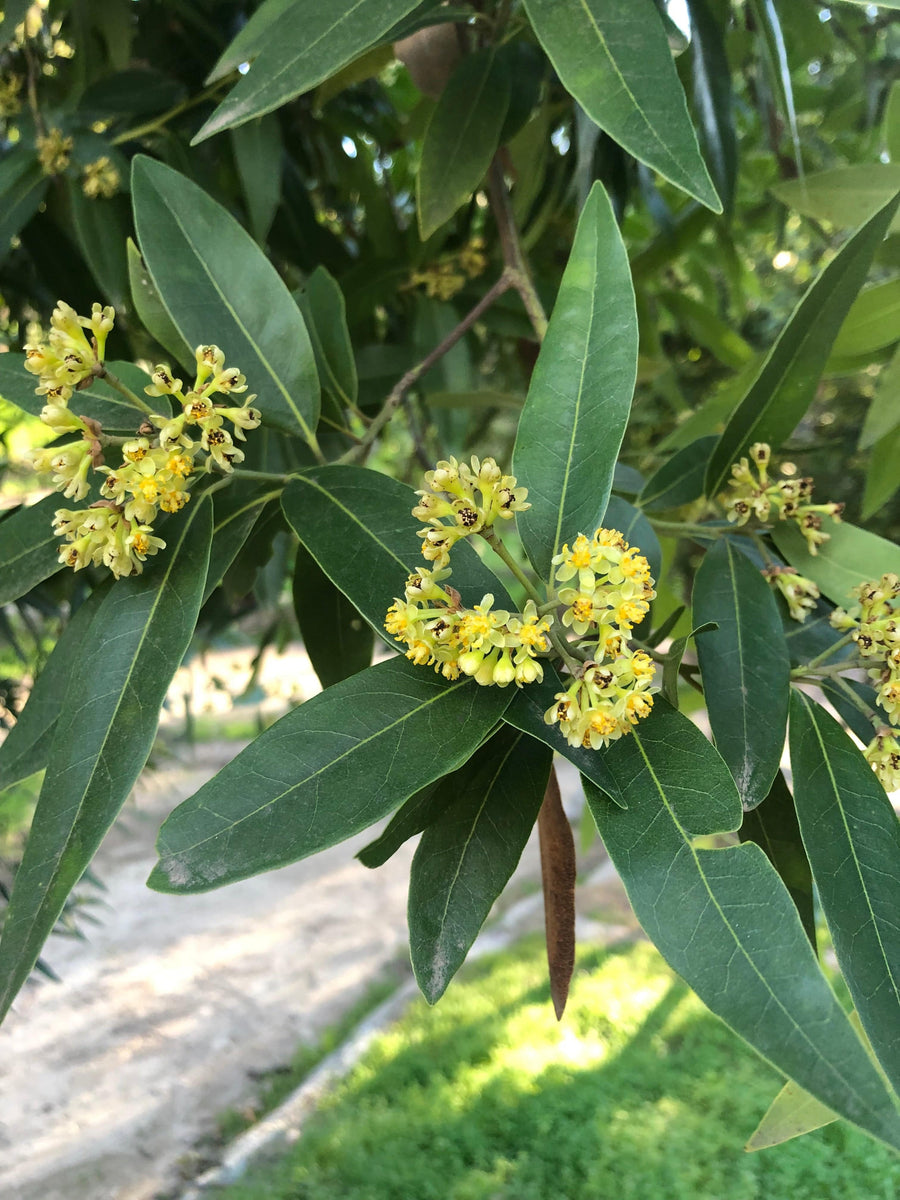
{"points": [[101, 179], [493, 646], [606, 700], [450, 495], [117, 530], [799, 592], [442, 280], [53, 150], [874, 624], [10, 102], [611, 588], [756, 495]]}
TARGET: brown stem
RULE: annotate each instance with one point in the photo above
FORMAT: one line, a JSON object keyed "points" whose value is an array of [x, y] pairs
{"points": [[513, 254], [558, 879], [390, 406]]}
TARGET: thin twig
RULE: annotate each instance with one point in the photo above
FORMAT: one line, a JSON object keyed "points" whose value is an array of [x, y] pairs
{"points": [[131, 135], [513, 254]]}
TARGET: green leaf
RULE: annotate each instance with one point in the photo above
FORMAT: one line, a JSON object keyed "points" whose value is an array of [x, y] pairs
{"points": [[883, 415], [218, 286], [461, 138], [873, 321], [882, 477], [850, 556], [843, 196], [674, 655], [358, 526], [101, 229], [837, 691], [103, 736], [773, 826], [526, 712], [614, 58], [325, 312], [413, 815], [891, 121], [766, 20], [787, 380], [26, 748], [257, 155], [792, 1113], [465, 859], [236, 511], [852, 837], [337, 639], [636, 530], [368, 65], [723, 920], [297, 46], [23, 186], [707, 328], [99, 401], [14, 13], [151, 311], [29, 549], [744, 666], [577, 408], [331, 767], [680, 480], [714, 99]]}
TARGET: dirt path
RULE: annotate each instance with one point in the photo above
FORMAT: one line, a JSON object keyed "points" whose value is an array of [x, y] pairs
{"points": [[109, 1078]]}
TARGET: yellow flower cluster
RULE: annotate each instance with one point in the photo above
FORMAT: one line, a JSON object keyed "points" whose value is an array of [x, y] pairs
{"points": [[800, 593], [450, 495], [10, 104], [117, 531], [607, 701], [611, 587], [442, 280], [492, 646], [755, 495], [100, 178], [53, 151], [875, 626]]}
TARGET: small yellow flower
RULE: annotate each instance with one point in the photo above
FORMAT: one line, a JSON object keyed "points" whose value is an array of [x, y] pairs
{"points": [[100, 179], [53, 150]]}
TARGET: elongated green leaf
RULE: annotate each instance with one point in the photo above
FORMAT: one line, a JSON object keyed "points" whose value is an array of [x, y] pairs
{"points": [[745, 668], [852, 837], [29, 549], [850, 556], [614, 57], [103, 736], [838, 692], [672, 663], [787, 380], [882, 477], [883, 415], [461, 138], [723, 919], [714, 99], [891, 121], [337, 639], [305, 43], [257, 155], [466, 857], [349, 516], [526, 712], [773, 826], [26, 748], [636, 530], [151, 311], [99, 401], [775, 53], [708, 329], [872, 322], [23, 186], [844, 196], [217, 285], [328, 769], [792, 1113], [325, 312], [235, 513], [413, 815], [680, 480], [101, 229], [574, 418]]}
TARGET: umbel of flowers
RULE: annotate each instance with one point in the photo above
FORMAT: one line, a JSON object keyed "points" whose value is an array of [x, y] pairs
{"points": [[156, 465], [609, 592], [874, 625]]}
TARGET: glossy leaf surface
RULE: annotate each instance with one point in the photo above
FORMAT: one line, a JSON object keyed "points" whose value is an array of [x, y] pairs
{"points": [[578, 403], [103, 736], [413, 815], [99, 401], [850, 556], [681, 479], [218, 286], [713, 98], [337, 639], [787, 380], [614, 57], [151, 311], [852, 837], [744, 666], [465, 858], [461, 138], [257, 155], [331, 767], [322, 304], [724, 921], [29, 549]]}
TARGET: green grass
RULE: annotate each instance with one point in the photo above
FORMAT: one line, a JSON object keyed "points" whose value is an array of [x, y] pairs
{"points": [[638, 1095]]}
